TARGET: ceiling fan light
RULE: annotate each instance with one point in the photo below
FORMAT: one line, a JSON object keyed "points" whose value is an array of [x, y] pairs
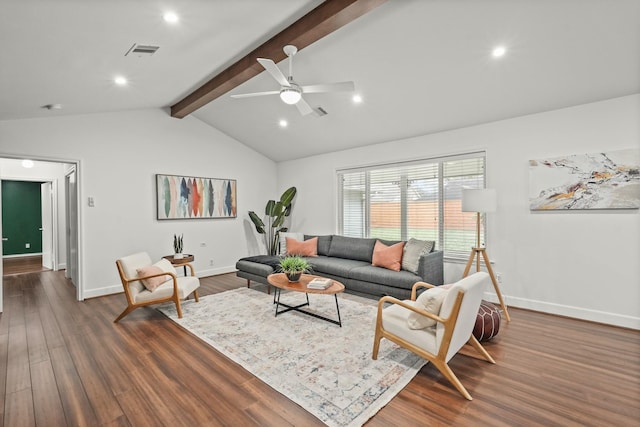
{"points": [[290, 95]]}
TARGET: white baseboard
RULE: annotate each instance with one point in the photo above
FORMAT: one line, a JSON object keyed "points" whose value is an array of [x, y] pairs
{"points": [[100, 292], [22, 255], [569, 311], [215, 271]]}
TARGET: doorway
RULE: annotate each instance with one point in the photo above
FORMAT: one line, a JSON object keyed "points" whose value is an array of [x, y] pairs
{"points": [[30, 228], [60, 246]]}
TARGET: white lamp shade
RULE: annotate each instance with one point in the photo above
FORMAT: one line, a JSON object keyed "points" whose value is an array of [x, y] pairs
{"points": [[483, 200]]}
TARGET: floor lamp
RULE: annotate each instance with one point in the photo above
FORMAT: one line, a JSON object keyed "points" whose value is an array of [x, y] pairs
{"points": [[481, 201]]}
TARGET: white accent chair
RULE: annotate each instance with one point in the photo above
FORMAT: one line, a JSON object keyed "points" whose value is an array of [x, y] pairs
{"points": [[453, 329], [175, 289]]}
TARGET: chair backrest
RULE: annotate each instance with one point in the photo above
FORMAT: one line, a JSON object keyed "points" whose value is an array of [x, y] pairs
{"points": [[130, 265], [473, 287]]}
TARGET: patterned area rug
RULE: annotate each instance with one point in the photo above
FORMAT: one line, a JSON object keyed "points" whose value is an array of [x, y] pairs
{"points": [[324, 368]]}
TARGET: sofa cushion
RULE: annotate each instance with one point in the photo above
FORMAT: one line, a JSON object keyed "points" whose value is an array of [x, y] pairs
{"points": [[262, 265], [397, 279], [413, 250], [335, 266], [304, 248], [387, 256], [352, 248], [324, 243]]}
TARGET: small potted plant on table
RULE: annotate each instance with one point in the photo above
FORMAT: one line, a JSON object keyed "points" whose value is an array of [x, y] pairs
{"points": [[294, 266], [177, 247]]}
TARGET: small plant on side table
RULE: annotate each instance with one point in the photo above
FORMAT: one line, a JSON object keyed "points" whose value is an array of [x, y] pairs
{"points": [[177, 246], [294, 266]]}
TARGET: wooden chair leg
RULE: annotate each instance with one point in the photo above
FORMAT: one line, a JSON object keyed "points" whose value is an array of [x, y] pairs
{"points": [[126, 311], [376, 345], [480, 349], [195, 296], [448, 373], [178, 308]]}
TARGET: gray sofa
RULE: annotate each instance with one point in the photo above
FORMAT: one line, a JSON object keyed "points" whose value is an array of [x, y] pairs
{"points": [[348, 260]]}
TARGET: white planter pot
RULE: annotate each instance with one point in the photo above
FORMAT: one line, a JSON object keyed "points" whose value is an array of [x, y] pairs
{"points": [[178, 256]]}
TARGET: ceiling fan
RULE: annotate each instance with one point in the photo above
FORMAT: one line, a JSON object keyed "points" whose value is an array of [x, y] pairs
{"points": [[290, 92]]}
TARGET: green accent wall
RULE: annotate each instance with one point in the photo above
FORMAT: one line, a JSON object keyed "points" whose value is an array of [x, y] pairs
{"points": [[21, 217]]}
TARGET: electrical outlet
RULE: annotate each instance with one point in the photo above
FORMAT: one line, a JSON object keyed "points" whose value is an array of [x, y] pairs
{"points": [[211, 263], [27, 245], [499, 277]]}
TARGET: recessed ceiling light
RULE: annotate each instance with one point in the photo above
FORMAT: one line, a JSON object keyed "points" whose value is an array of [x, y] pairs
{"points": [[170, 17], [498, 51], [357, 99], [283, 123], [120, 81], [26, 163]]}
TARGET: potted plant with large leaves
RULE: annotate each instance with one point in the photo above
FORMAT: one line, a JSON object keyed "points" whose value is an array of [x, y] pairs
{"points": [[275, 214]]}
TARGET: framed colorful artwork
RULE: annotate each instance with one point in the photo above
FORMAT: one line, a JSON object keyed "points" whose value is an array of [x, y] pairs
{"points": [[606, 180], [188, 197]]}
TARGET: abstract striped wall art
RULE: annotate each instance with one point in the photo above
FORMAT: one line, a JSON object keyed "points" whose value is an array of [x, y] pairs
{"points": [[605, 180], [188, 197]]}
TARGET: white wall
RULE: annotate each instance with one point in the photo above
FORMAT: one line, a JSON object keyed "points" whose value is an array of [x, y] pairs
{"points": [[119, 155], [581, 263], [43, 171]]}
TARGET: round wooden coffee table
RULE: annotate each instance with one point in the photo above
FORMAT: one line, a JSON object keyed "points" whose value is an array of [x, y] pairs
{"points": [[280, 281]]}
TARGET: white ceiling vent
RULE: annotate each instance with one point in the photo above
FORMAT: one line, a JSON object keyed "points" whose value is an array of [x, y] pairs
{"points": [[141, 50]]}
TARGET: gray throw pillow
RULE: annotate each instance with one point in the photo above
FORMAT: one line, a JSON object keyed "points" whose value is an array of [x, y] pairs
{"points": [[413, 250]]}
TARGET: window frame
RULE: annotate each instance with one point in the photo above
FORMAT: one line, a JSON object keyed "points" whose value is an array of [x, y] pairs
{"points": [[457, 255]]}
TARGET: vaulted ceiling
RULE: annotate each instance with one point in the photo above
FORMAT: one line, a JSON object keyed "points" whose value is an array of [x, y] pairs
{"points": [[421, 66]]}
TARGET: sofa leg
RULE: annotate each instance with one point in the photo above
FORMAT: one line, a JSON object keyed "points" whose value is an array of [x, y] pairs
{"points": [[248, 283]]}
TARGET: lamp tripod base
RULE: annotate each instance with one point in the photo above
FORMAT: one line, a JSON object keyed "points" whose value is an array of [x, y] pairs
{"points": [[475, 254]]}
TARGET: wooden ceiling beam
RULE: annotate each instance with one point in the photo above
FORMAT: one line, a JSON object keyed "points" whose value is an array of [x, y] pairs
{"points": [[321, 21]]}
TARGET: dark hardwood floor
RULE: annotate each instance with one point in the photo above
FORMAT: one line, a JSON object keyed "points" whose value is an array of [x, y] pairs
{"points": [[64, 363], [23, 264]]}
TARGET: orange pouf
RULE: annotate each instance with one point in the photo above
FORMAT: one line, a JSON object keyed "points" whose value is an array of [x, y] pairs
{"points": [[487, 322]]}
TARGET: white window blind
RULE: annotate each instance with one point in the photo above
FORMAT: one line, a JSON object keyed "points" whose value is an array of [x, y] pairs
{"points": [[418, 199]]}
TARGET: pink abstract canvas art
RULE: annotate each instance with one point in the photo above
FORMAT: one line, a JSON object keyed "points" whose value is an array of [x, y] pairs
{"points": [[184, 197]]}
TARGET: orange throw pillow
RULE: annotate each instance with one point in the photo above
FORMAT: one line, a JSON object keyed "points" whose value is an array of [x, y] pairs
{"points": [[153, 282], [306, 248], [389, 257]]}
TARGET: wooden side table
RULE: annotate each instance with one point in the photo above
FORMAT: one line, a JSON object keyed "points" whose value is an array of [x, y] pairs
{"points": [[186, 259]]}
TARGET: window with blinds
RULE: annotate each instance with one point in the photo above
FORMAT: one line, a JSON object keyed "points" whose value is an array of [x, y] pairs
{"points": [[420, 199]]}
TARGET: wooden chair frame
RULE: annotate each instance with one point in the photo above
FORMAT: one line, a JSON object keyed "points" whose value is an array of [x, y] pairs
{"points": [[175, 297], [438, 360]]}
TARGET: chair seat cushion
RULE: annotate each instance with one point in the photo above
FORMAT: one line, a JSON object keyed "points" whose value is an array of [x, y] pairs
{"points": [[394, 320], [186, 286]]}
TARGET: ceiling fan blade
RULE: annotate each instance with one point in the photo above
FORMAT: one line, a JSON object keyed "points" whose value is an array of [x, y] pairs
{"points": [[329, 87], [303, 107], [275, 72], [249, 95]]}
